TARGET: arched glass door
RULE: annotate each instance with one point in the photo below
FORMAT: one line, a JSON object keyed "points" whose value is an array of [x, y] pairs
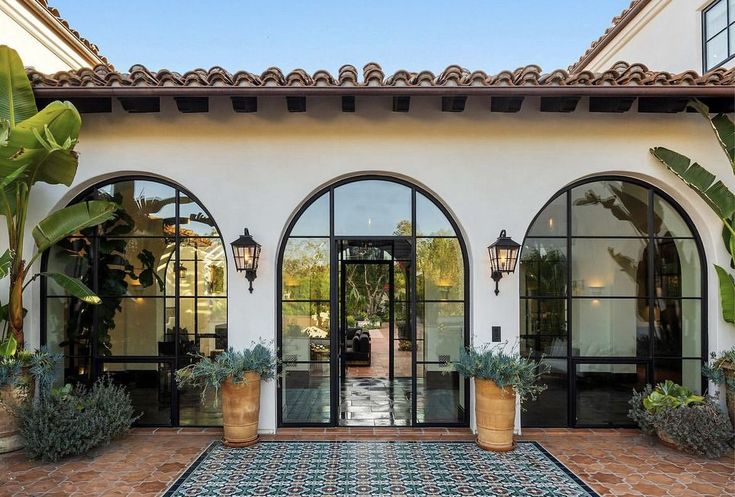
{"points": [[160, 270], [612, 295], [373, 302]]}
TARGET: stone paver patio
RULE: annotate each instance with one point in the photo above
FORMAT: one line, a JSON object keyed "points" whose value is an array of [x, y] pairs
{"points": [[613, 462]]}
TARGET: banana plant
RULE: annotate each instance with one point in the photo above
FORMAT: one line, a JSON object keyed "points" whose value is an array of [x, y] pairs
{"points": [[36, 147], [714, 192]]}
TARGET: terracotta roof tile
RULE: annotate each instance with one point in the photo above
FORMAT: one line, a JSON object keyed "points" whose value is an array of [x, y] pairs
{"points": [[621, 74], [618, 23]]}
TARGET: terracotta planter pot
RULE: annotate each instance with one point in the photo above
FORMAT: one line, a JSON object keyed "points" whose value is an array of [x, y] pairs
{"points": [[495, 413], [666, 440], [729, 393], [240, 411], [10, 438]]}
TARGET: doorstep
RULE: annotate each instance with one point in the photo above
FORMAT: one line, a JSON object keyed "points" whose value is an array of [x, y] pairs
{"points": [[338, 434]]}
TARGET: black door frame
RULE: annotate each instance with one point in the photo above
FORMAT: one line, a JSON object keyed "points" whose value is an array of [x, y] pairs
{"points": [[334, 297]]}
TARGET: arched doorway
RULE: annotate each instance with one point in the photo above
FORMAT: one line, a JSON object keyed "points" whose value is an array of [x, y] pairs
{"points": [[373, 301], [613, 295], [161, 271]]}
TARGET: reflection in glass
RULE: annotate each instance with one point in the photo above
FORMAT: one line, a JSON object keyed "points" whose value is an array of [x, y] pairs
{"points": [[678, 328], [603, 392], [134, 266], [552, 221], [667, 221], [715, 19], [68, 258], [610, 327], [550, 408], [439, 394], [195, 412], [201, 268], [306, 269], [194, 219], [686, 372], [372, 207], [305, 331], [305, 393], [439, 330], [610, 208], [136, 328], [543, 267], [609, 267], [440, 269], [147, 208], [677, 270], [430, 220], [544, 326], [149, 385], [314, 221]]}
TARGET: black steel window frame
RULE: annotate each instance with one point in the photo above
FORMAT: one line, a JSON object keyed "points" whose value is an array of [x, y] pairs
{"points": [[97, 361], [334, 295], [651, 359], [706, 37]]}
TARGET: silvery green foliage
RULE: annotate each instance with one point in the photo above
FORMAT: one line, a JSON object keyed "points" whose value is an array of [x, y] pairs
{"points": [[10, 369], [715, 370], [207, 372], [702, 429], [71, 421], [42, 364], [492, 362]]}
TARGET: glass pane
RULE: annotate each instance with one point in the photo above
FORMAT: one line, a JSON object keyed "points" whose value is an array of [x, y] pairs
{"points": [[552, 221], [430, 220], [603, 392], [305, 331], [686, 372], [715, 19], [76, 370], [609, 208], [439, 398], [678, 328], [133, 326], [717, 50], [194, 219], [543, 267], [610, 327], [372, 207], [609, 267], [68, 322], [306, 269], [71, 257], [667, 221], [305, 393], [314, 221], [732, 31], [544, 326], [149, 386], [147, 208], [440, 331], [201, 319], [440, 269], [136, 267], [202, 268], [401, 280], [550, 408], [677, 269]]}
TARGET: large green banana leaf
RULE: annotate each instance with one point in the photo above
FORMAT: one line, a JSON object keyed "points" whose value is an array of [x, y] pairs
{"points": [[706, 184], [17, 102], [74, 286], [723, 127], [69, 220], [6, 260], [727, 294]]}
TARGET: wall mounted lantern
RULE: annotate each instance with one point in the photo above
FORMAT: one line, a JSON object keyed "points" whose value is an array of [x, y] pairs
{"points": [[246, 252], [503, 257]]}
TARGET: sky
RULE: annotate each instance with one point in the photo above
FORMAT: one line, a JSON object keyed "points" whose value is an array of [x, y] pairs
{"points": [[489, 35]]}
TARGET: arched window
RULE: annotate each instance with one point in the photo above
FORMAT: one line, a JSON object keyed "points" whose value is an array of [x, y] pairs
{"points": [[373, 301], [160, 269], [612, 294]]}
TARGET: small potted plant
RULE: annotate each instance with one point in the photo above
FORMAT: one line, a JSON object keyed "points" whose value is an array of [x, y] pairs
{"points": [[721, 371], [501, 378], [238, 376]]}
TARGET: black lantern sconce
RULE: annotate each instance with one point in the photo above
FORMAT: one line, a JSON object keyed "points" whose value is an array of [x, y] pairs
{"points": [[246, 252], [503, 257]]}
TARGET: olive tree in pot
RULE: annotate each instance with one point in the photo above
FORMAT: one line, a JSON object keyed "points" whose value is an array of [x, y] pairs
{"points": [[501, 378], [238, 376]]}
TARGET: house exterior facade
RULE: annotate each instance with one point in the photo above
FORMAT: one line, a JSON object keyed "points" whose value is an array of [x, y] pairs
{"points": [[413, 174]]}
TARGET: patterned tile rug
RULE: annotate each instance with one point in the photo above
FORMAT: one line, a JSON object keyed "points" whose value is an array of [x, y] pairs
{"points": [[377, 469]]}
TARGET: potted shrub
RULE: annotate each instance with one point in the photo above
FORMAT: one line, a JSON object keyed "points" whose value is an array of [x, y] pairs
{"points": [[721, 371], [501, 378], [238, 376], [682, 420]]}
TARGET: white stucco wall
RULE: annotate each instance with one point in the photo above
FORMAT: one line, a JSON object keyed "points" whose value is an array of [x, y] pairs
{"points": [[666, 36], [38, 45], [492, 171]]}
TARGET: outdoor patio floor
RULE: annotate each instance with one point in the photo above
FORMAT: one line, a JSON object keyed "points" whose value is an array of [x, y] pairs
{"points": [[612, 462]]}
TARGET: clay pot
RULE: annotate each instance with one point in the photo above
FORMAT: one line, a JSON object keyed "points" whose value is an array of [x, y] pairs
{"points": [[495, 413], [10, 438], [729, 393], [666, 440], [240, 410]]}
